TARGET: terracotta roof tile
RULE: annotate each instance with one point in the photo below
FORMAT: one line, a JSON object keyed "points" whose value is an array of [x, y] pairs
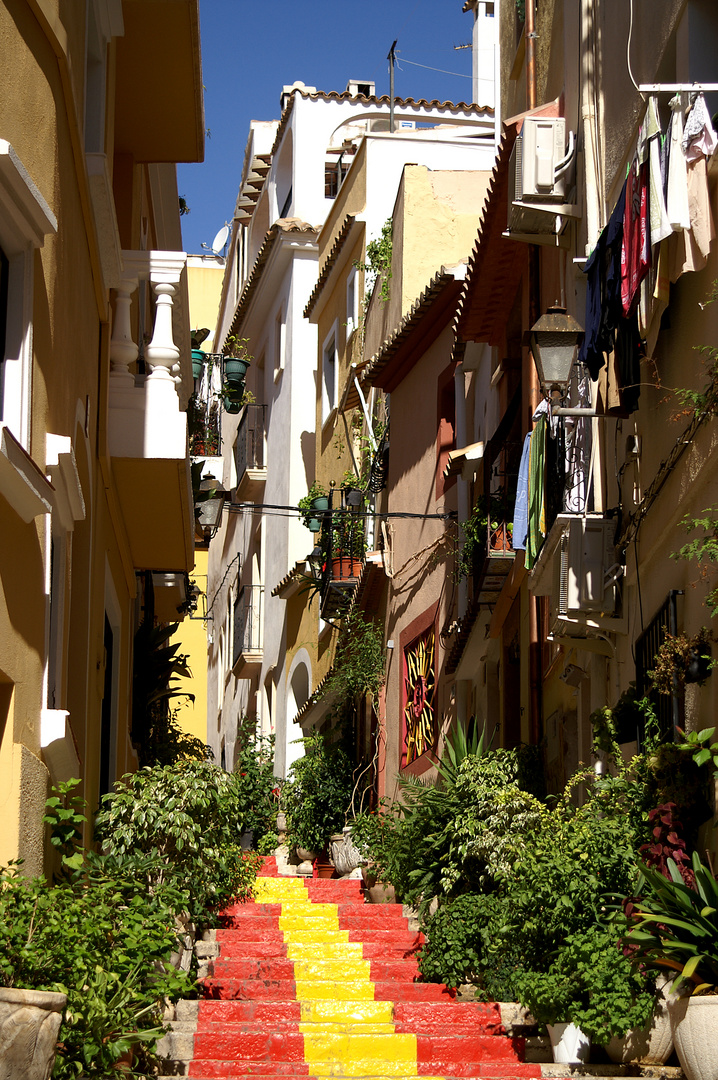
{"points": [[280, 227]]}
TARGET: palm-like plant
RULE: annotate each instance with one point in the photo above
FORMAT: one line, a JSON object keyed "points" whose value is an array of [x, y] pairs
{"points": [[676, 927]]}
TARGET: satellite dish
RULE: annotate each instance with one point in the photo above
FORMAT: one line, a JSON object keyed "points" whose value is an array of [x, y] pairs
{"points": [[220, 239]]}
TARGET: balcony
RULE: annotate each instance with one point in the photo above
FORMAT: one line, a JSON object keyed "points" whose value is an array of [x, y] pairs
{"points": [[493, 559], [147, 429], [249, 454], [248, 612], [343, 551]]}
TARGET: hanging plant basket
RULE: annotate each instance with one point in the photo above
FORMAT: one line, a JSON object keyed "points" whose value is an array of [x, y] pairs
{"points": [[314, 525], [231, 405], [320, 504], [235, 370], [197, 363]]}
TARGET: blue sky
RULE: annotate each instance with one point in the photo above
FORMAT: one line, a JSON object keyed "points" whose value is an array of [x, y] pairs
{"points": [[250, 49]]}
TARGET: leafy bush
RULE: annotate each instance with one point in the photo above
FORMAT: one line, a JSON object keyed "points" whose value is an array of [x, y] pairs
{"points": [[254, 782], [190, 816], [456, 837], [103, 941], [592, 984], [318, 797], [465, 943], [675, 927]]}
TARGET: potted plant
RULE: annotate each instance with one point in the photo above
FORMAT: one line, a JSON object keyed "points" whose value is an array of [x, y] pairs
{"points": [[675, 928], [353, 495], [591, 991], [313, 505], [348, 545], [682, 658], [317, 794], [237, 358]]}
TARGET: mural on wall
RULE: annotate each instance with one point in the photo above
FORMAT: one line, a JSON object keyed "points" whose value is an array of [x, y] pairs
{"points": [[419, 687]]}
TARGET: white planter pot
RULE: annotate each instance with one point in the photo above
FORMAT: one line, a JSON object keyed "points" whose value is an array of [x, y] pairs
{"points": [[653, 1044], [29, 1023], [696, 1037], [569, 1045], [345, 855]]}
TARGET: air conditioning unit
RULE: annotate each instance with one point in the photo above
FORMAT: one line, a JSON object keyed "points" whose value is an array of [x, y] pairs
{"points": [[538, 170], [586, 568]]}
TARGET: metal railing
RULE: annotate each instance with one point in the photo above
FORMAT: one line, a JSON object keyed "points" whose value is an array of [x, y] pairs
{"points": [[248, 621], [249, 447]]}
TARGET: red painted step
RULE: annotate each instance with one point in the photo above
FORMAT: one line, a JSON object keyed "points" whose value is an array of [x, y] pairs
{"points": [[248, 1022]]}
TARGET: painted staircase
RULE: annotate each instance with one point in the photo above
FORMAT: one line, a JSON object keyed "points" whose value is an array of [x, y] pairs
{"points": [[309, 981]]}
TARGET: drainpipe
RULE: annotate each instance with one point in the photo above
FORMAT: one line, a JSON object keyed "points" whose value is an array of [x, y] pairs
{"points": [[588, 120], [462, 485], [530, 32], [534, 392]]}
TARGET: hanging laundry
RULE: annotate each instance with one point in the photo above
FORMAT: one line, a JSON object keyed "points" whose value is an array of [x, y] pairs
{"points": [[677, 199], [636, 249], [691, 247], [536, 513], [660, 225], [521, 507], [699, 138], [603, 291]]}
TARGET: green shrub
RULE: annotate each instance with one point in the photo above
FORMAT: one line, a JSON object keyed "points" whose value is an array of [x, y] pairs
{"points": [[592, 984], [104, 942], [317, 799], [254, 782], [190, 816]]}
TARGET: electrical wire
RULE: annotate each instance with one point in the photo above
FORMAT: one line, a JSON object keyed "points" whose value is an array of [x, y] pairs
{"points": [[219, 587], [628, 47], [240, 508], [442, 71]]}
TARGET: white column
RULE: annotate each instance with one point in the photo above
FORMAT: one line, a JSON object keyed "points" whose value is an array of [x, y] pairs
{"points": [[123, 350], [162, 355]]}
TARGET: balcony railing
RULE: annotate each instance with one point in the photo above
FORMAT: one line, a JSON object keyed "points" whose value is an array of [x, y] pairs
{"points": [[249, 448], [204, 423], [248, 626]]}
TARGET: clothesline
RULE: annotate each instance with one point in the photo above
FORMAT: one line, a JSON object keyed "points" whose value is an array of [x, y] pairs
{"points": [[678, 88]]}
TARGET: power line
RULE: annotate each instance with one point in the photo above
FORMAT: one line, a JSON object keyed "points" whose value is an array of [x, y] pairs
{"points": [[239, 508], [442, 71]]}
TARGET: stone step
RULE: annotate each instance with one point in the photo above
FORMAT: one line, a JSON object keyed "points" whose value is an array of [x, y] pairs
{"points": [[307, 970], [285, 990]]}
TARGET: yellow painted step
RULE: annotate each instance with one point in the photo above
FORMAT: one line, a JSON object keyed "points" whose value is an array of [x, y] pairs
{"points": [[308, 922], [332, 990], [363, 1068], [310, 937], [348, 1028], [346, 1048], [323, 1012], [341, 970], [325, 950]]}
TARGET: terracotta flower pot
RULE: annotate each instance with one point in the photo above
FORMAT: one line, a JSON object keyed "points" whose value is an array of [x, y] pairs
{"points": [[344, 568], [29, 1023]]}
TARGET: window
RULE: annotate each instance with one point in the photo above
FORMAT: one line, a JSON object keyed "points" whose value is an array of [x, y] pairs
{"points": [[446, 427], [352, 301], [280, 337], [418, 704], [329, 376], [25, 221]]}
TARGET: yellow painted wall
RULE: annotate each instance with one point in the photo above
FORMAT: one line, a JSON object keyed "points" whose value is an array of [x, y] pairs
{"points": [[41, 109]]}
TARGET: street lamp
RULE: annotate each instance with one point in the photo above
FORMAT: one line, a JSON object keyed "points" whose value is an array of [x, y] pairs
{"points": [[554, 341], [209, 506], [315, 563]]}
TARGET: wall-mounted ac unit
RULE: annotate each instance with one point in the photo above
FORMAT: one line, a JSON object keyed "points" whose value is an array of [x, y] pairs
{"points": [[586, 569], [538, 170]]}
